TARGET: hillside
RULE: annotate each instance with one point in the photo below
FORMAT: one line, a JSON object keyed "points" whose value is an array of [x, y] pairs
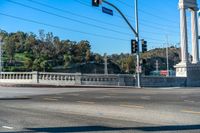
{"points": [[46, 52]]}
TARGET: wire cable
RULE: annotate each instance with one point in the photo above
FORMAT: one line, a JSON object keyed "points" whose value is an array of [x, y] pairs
{"points": [[71, 19], [75, 14], [62, 28]]}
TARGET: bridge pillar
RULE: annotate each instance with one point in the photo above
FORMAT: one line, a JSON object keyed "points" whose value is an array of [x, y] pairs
{"points": [[35, 77], [181, 68], [194, 31], [184, 66]]}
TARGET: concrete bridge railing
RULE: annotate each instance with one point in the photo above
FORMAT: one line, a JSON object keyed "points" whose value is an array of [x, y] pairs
{"points": [[64, 79], [78, 79]]}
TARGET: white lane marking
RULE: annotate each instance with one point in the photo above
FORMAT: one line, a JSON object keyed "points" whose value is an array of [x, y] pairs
{"points": [[169, 88], [50, 99], [190, 112], [85, 102], [132, 106], [189, 101], [102, 97], [57, 97], [74, 94], [146, 97], [7, 127]]}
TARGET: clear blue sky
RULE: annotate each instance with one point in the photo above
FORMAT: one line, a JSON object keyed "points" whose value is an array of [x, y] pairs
{"points": [[78, 20]]}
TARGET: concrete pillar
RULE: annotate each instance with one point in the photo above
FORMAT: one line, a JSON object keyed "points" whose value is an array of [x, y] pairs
{"points": [[78, 79], [35, 77], [194, 30], [121, 81], [183, 36]]}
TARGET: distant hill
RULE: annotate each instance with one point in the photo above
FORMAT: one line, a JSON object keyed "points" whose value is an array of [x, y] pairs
{"points": [[46, 52], [159, 55]]}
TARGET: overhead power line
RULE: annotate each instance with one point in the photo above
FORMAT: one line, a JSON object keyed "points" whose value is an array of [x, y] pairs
{"points": [[148, 13], [85, 17], [71, 30], [131, 18], [62, 28], [75, 14], [58, 27], [71, 19]]}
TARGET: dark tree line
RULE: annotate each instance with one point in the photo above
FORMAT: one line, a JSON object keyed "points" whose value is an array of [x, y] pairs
{"points": [[46, 52]]}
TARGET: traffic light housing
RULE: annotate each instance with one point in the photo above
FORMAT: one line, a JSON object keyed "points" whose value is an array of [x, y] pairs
{"points": [[134, 46], [144, 45], [96, 3]]}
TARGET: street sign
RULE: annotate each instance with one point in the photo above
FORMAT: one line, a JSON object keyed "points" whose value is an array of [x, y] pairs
{"points": [[138, 69], [107, 11]]}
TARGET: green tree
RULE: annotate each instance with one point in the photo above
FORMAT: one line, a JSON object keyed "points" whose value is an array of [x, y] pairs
{"points": [[45, 66], [9, 48], [28, 64], [36, 65], [87, 56], [97, 58], [130, 65], [68, 60]]}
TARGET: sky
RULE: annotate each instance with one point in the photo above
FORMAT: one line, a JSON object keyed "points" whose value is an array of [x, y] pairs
{"points": [[77, 20]]}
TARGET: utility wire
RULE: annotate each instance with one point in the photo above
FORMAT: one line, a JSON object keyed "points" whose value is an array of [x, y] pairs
{"points": [[99, 21], [96, 26], [130, 17], [71, 19], [75, 14], [72, 30], [62, 28], [146, 12]]}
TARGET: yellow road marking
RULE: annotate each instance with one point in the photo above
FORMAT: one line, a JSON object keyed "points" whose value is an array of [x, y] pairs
{"points": [[190, 112], [112, 94], [85, 102], [50, 99], [132, 106], [74, 94], [57, 97]]}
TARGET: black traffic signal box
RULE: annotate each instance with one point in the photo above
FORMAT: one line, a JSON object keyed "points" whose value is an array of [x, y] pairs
{"points": [[134, 46]]}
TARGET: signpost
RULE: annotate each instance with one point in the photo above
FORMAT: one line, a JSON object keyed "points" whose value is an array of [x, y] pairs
{"points": [[136, 32], [107, 11]]}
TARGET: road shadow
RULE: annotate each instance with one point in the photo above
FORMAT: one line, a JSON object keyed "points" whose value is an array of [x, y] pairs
{"points": [[105, 128], [13, 99], [169, 128]]}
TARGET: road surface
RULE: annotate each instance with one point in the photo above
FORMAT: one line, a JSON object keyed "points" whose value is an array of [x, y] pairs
{"points": [[120, 110]]}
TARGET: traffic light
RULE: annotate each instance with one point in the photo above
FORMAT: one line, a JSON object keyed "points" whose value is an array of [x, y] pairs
{"points": [[96, 3], [144, 45], [134, 46]]}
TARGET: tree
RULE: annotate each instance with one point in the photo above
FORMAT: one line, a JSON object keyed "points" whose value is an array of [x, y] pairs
{"points": [[45, 66], [130, 65], [9, 48], [36, 65], [87, 56], [28, 64], [97, 58], [67, 59]]}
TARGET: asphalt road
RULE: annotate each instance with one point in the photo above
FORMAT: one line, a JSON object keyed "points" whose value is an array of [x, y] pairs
{"points": [[120, 110]]}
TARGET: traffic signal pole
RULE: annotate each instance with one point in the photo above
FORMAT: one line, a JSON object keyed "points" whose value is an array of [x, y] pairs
{"points": [[136, 33], [123, 16], [138, 40]]}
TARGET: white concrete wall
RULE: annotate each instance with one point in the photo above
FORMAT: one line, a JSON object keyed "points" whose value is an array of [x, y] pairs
{"points": [[71, 79]]}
